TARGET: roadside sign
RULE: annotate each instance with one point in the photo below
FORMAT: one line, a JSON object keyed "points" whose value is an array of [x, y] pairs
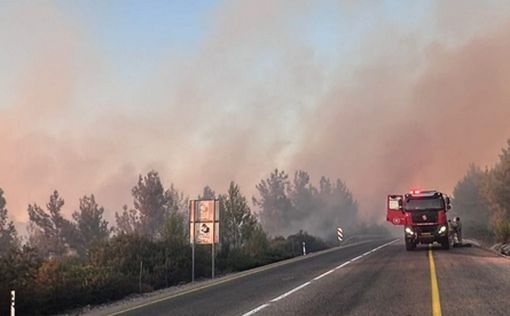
{"points": [[204, 232], [204, 222], [204, 228], [204, 211]]}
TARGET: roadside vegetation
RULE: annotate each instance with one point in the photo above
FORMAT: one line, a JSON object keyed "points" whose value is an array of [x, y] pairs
{"points": [[482, 200], [66, 263]]}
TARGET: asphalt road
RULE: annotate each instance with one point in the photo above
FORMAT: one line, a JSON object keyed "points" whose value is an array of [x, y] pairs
{"points": [[372, 278]]}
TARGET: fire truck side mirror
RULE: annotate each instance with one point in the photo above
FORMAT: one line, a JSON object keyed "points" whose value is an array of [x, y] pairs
{"points": [[400, 205], [448, 203]]}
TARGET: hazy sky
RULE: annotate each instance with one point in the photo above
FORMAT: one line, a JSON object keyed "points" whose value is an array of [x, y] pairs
{"points": [[385, 95]]}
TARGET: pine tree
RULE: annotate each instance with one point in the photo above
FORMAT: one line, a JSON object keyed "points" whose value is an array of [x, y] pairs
{"points": [[8, 234], [157, 213], [207, 194], [500, 184], [274, 203], [237, 218], [469, 202], [176, 211], [128, 221], [50, 232], [303, 197], [150, 202], [90, 224]]}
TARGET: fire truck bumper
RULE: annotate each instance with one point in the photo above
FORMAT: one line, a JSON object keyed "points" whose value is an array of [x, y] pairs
{"points": [[426, 234]]}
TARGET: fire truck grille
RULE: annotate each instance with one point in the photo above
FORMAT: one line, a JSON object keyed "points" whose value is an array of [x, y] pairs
{"points": [[426, 229], [424, 217]]}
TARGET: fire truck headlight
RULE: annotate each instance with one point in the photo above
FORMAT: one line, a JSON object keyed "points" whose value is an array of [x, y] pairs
{"points": [[442, 229], [409, 231]]}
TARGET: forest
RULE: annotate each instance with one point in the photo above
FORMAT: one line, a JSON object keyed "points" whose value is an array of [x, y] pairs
{"points": [[65, 263]]}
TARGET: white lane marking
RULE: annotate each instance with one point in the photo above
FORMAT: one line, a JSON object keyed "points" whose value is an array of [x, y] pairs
{"points": [[255, 310], [323, 275], [354, 259], [290, 292], [343, 265]]}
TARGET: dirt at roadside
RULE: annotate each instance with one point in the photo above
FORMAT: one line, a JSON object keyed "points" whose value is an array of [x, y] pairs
{"points": [[502, 248]]}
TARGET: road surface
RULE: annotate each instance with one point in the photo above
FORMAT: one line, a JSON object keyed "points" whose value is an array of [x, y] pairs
{"points": [[370, 278]]}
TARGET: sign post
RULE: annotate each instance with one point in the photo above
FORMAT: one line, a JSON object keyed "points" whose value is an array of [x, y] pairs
{"points": [[192, 237], [204, 228], [340, 234], [212, 244]]}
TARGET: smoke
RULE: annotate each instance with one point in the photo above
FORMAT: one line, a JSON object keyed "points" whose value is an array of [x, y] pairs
{"points": [[397, 128], [408, 110]]}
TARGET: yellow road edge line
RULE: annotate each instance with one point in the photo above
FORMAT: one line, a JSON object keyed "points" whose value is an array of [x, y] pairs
{"points": [[436, 303]]}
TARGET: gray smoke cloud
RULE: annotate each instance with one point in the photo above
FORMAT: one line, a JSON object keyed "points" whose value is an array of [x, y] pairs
{"points": [[405, 108]]}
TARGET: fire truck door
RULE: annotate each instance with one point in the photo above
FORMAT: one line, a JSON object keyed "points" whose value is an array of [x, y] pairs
{"points": [[395, 211]]}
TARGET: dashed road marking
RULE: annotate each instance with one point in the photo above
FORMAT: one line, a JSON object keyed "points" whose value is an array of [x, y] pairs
{"points": [[323, 275], [276, 299], [290, 292], [253, 311], [221, 281]]}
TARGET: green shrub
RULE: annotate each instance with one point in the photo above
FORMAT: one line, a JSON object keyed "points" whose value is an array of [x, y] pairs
{"points": [[502, 229]]}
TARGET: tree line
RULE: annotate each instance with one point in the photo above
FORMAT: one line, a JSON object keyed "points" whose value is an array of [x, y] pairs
{"points": [[67, 263], [482, 200], [286, 203]]}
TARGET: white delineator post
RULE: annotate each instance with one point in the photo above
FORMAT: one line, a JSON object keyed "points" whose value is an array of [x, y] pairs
{"points": [[340, 234], [304, 248], [13, 297]]}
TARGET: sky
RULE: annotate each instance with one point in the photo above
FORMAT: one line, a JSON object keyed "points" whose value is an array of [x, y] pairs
{"points": [[385, 95]]}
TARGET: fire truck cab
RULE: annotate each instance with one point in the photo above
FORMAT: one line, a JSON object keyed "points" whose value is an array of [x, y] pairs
{"points": [[423, 215]]}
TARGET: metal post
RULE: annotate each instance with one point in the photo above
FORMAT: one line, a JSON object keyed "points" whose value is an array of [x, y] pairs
{"points": [[213, 239], [140, 278], [13, 297], [193, 260], [212, 261], [166, 266], [304, 248], [192, 232]]}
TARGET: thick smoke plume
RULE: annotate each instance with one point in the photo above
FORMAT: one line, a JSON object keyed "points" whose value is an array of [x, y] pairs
{"points": [[403, 108], [416, 125]]}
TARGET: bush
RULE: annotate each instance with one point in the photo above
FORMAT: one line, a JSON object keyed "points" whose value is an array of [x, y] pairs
{"points": [[502, 229], [18, 270], [111, 271], [312, 243]]}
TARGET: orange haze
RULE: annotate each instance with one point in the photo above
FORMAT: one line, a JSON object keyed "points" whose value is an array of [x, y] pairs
{"points": [[404, 109]]}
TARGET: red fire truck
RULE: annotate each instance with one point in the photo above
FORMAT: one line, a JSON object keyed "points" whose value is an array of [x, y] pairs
{"points": [[423, 215]]}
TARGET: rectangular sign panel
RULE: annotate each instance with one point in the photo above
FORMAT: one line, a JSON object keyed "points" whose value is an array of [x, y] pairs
{"points": [[205, 211], [203, 233], [204, 221]]}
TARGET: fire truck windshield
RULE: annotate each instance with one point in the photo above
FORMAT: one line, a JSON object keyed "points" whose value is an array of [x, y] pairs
{"points": [[414, 204]]}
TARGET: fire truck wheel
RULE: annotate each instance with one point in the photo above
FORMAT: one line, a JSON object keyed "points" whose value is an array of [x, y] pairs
{"points": [[445, 243], [410, 245]]}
